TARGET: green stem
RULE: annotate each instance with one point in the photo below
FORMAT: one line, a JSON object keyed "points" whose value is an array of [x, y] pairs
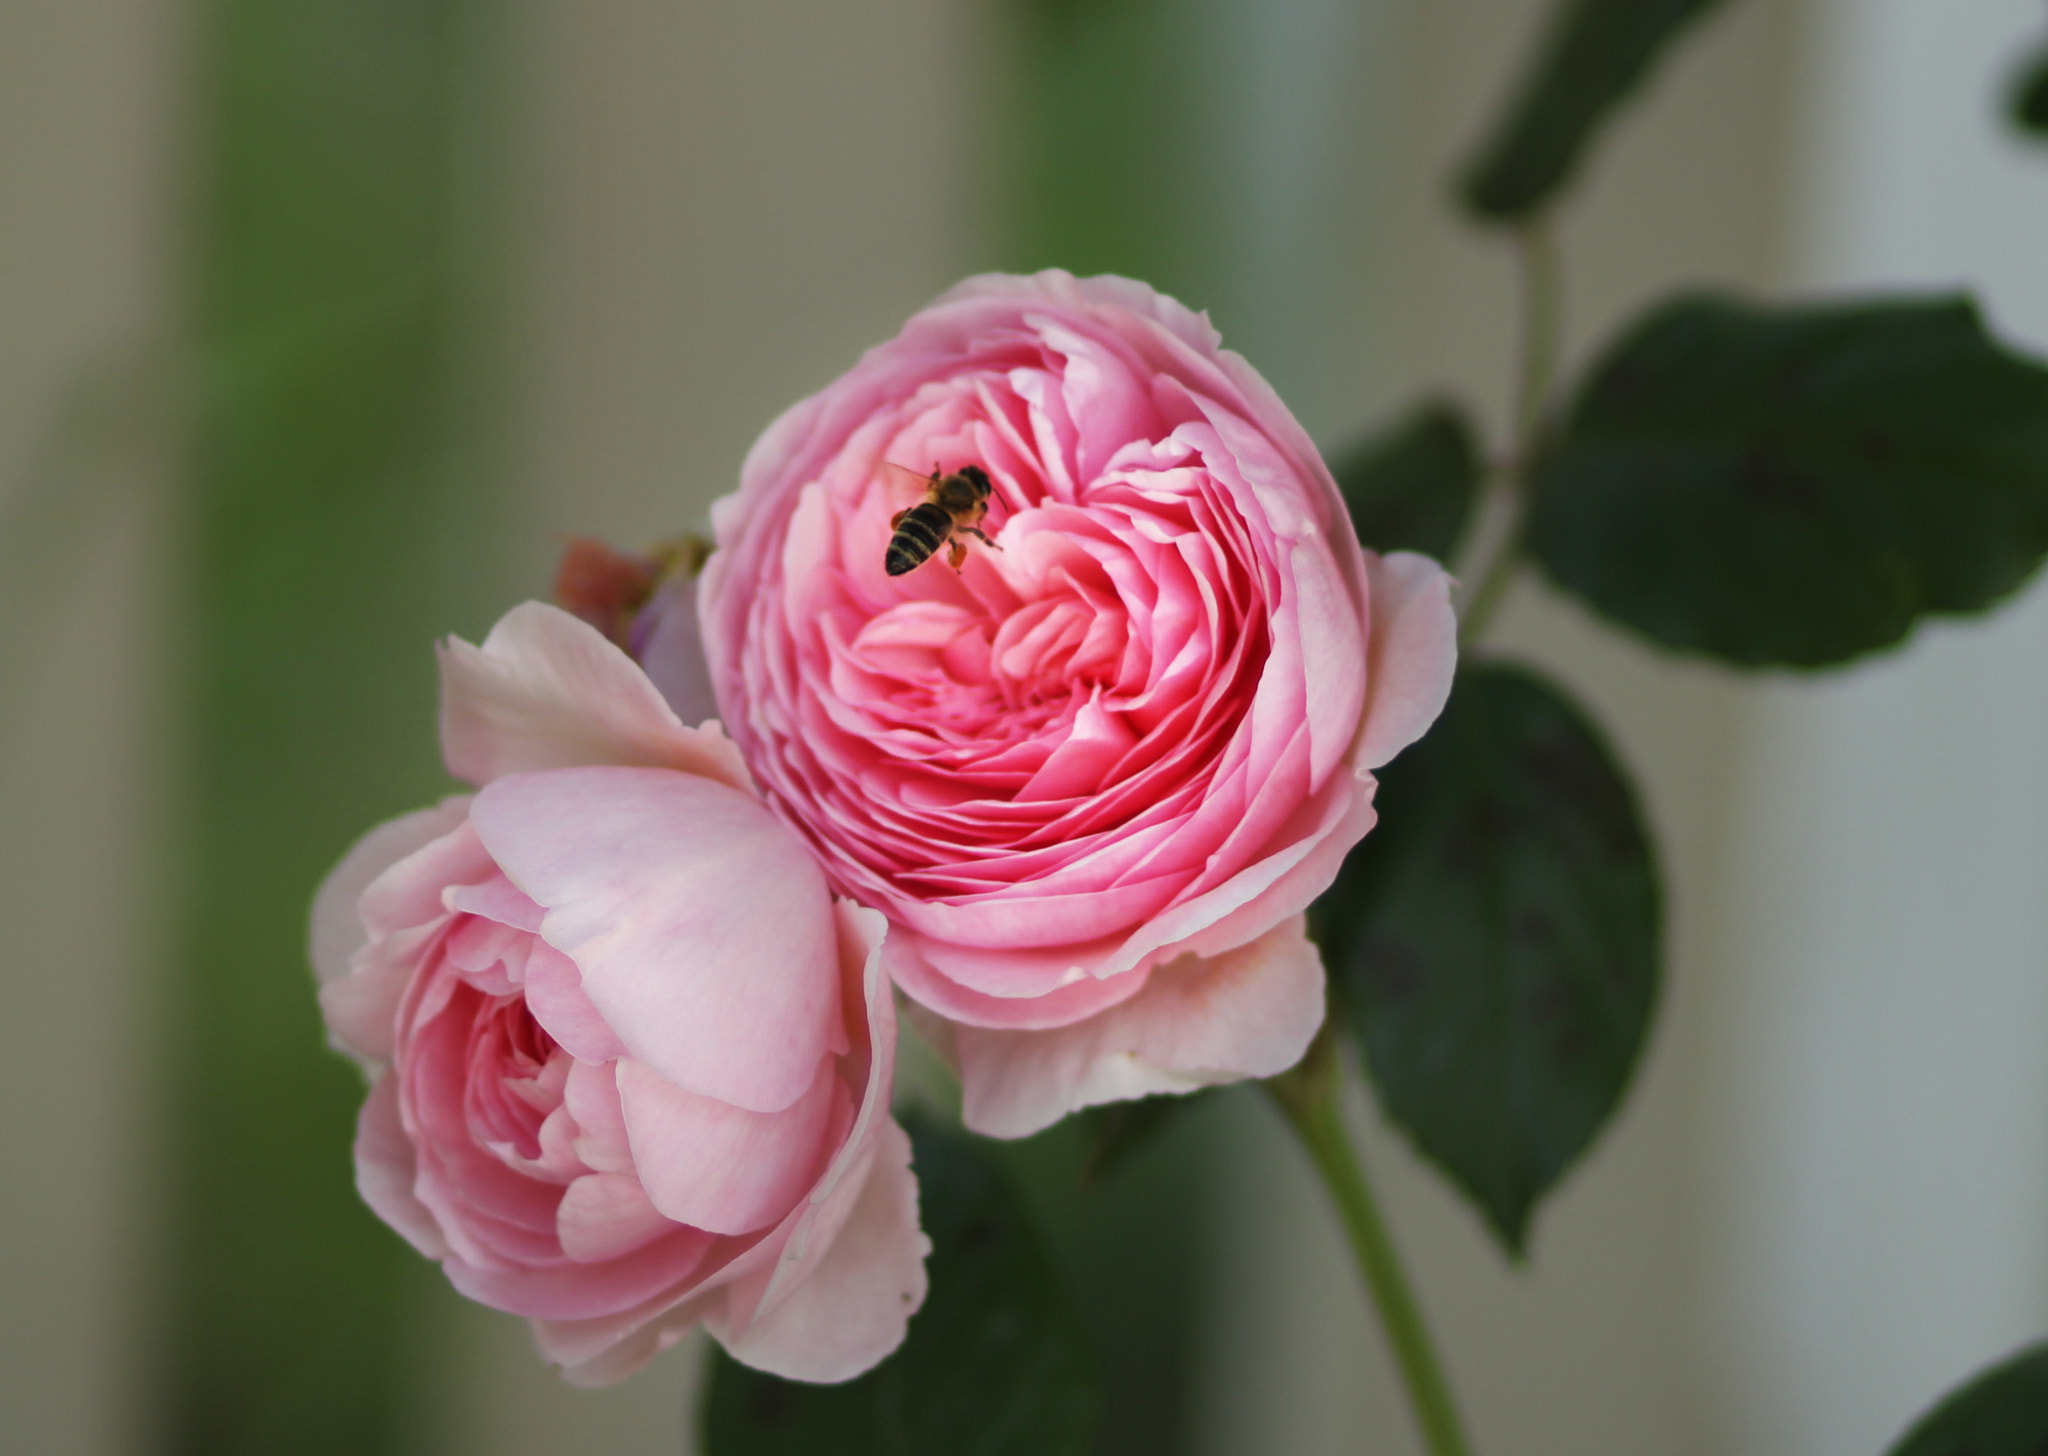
{"points": [[1542, 328], [1310, 1096]]}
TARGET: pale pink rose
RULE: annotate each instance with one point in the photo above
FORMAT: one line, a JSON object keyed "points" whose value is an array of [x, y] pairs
{"points": [[631, 1060], [1094, 777]]}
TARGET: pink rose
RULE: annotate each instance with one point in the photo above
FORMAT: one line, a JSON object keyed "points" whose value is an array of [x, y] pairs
{"points": [[631, 1061], [1094, 777]]}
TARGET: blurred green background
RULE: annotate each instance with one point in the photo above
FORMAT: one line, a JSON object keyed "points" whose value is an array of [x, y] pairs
{"points": [[325, 319]]}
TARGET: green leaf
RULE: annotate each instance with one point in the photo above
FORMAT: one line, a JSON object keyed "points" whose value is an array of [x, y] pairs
{"points": [[1139, 1242], [1411, 487], [2003, 1412], [1796, 486], [2028, 107], [1494, 940], [994, 1364], [1596, 53]]}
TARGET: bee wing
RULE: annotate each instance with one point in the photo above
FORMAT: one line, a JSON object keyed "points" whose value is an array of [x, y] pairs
{"points": [[902, 479]]}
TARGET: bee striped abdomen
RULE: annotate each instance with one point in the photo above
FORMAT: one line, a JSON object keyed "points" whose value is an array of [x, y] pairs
{"points": [[921, 531]]}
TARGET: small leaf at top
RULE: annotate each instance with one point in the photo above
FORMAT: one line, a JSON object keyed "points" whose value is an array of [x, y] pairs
{"points": [[1795, 486], [2028, 107], [1595, 54], [1410, 488], [1494, 940], [2003, 1412], [995, 1363]]}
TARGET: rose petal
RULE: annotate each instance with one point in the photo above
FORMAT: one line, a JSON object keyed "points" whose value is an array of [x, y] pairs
{"points": [[604, 1215], [360, 1011], [591, 1096], [658, 1271], [601, 1350], [413, 893], [386, 1168], [549, 691], [699, 923], [337, 926], [1250, 1012], [1074, 997], [554, 994], [1413, 655], [496, 899], [852, 1307], [807, 1235], [1342, 815], [715, 1166]]}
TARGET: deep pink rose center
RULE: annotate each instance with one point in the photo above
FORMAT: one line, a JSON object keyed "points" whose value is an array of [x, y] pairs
{"points": [[1083, 678]]}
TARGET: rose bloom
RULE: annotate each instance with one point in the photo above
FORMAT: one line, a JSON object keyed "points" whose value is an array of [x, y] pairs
{"points": [[631, 1061], [1093, 778]]}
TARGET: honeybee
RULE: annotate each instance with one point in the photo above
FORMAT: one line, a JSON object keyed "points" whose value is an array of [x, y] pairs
{"points": [[951, 511]]}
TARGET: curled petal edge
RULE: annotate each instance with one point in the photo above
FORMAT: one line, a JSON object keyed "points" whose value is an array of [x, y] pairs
{"points": [[1412, 654], [1248, 1012], [336, 930], [548, 690]]}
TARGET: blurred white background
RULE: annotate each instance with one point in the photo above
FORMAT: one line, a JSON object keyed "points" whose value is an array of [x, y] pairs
{"points": [[1827, 1198]]}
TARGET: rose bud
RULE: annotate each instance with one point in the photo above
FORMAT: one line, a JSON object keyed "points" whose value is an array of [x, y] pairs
{"points": [[1094, 774], [630, 1060]]}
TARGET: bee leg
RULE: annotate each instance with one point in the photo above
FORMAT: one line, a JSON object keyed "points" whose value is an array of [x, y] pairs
{"points": [[897, 519], [956, 552], [983, 536]]}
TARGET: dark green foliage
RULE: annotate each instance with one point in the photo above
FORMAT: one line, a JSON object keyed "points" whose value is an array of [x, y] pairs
{"points": [[1116, 1130], [1410, 487], [1797, 486], [1494, 941], [995, 1362], [1134, 1240], [2028, 105], [1595, 54], [2003, 1412]]}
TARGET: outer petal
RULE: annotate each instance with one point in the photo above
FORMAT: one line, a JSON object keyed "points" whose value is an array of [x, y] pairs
{"points": [[673, 653], [854, 1305], [1250, 1012], [809, 1234], [547, 690], [360, 1012], [337, 930], [595, 1353], [400, 910], [1082, 996], [1305, 879], [386, 1167], [702, 926], [1412, 656]]}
